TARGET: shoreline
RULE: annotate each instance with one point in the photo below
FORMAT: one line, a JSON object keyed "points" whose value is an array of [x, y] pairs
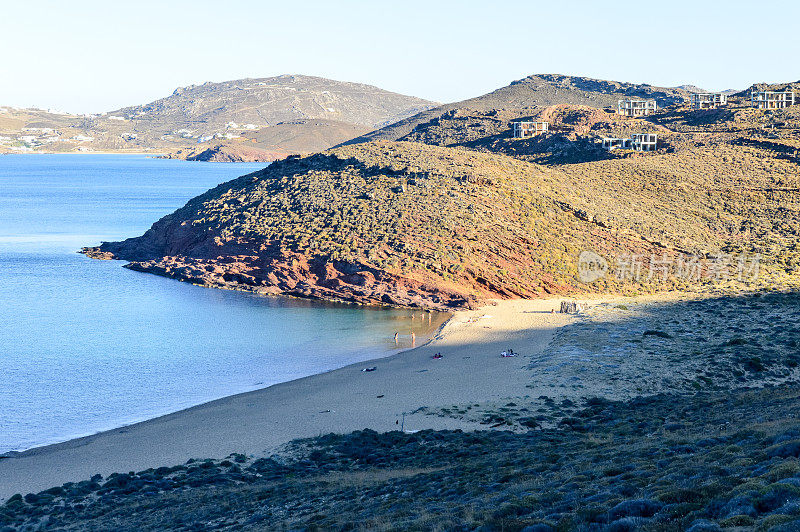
{"points": [[259, 422], [425, 340]]}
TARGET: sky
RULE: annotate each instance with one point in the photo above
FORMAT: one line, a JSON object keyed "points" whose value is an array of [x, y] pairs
{"points": [[95, 56]]}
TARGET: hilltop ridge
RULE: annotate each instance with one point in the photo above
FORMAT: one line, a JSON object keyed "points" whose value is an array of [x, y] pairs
{"points": [[537, 90]]}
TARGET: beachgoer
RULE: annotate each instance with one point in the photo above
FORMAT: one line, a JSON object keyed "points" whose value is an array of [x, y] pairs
{"points": [[395, 338]]}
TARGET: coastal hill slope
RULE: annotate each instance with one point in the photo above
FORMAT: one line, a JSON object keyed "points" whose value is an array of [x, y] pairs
{"points": [[282, 114], [411, 224], [458, 211], [377, 223], [538, 90]]}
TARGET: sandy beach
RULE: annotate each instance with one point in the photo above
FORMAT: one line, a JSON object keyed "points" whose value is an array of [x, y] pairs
{"points": [[259, 422]]}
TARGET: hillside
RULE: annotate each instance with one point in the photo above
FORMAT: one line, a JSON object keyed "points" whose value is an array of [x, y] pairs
{"points": [[378, 223], [541, 90], [290, 113], [268, 101], [457, 211], [411, 224]]}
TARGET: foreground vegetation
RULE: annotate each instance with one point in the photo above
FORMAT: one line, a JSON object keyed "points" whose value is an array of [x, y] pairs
{"points": [[659, 463]]}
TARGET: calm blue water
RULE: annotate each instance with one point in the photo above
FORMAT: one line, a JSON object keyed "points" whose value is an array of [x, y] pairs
{"points": [[87, 345]]}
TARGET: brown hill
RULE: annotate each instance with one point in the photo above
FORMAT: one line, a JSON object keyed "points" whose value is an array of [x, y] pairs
{"points": [[410, 224], [275, 142], [268, 101], [226, 153], [377, 223]]}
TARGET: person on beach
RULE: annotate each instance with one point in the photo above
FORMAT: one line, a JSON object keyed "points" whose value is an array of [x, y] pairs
{"points": [[395, 338], [413, 338]]}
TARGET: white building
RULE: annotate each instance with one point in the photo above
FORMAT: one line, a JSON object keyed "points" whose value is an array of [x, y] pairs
{"points": [[613, 143], [637, 142], [644, 141], [708, 100], [636, 107], [528, 129], [773, 99]]}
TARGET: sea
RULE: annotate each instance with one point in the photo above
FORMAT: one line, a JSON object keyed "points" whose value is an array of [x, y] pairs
{"points": [[87, 345]]}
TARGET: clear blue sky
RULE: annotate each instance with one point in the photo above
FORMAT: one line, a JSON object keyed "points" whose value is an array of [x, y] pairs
{"points": [[92, 56]]}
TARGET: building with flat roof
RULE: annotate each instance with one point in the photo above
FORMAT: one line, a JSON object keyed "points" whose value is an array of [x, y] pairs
{"points": [[637, 142], [708, 100], [523, 129], [773, 99], [612, 143], [644, 141], [636, 107]]}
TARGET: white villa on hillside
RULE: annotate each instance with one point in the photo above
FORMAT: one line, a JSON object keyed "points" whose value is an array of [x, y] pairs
{"points": [[525, 129], [708, 100], [614, 143], [637, 142], [644, 141], [773, 99], [636, 107]]}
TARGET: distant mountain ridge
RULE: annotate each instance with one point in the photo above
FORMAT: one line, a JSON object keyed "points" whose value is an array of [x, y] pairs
{"points": [[269, 101], [282, 114]]}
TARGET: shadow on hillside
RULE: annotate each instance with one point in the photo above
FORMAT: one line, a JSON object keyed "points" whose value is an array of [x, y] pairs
{"points": [[691, 118], [551, 149], [717, 343], [777, 150]]}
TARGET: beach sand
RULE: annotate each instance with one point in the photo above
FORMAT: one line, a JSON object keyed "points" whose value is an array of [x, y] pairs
{"points": [[259, 422]]}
